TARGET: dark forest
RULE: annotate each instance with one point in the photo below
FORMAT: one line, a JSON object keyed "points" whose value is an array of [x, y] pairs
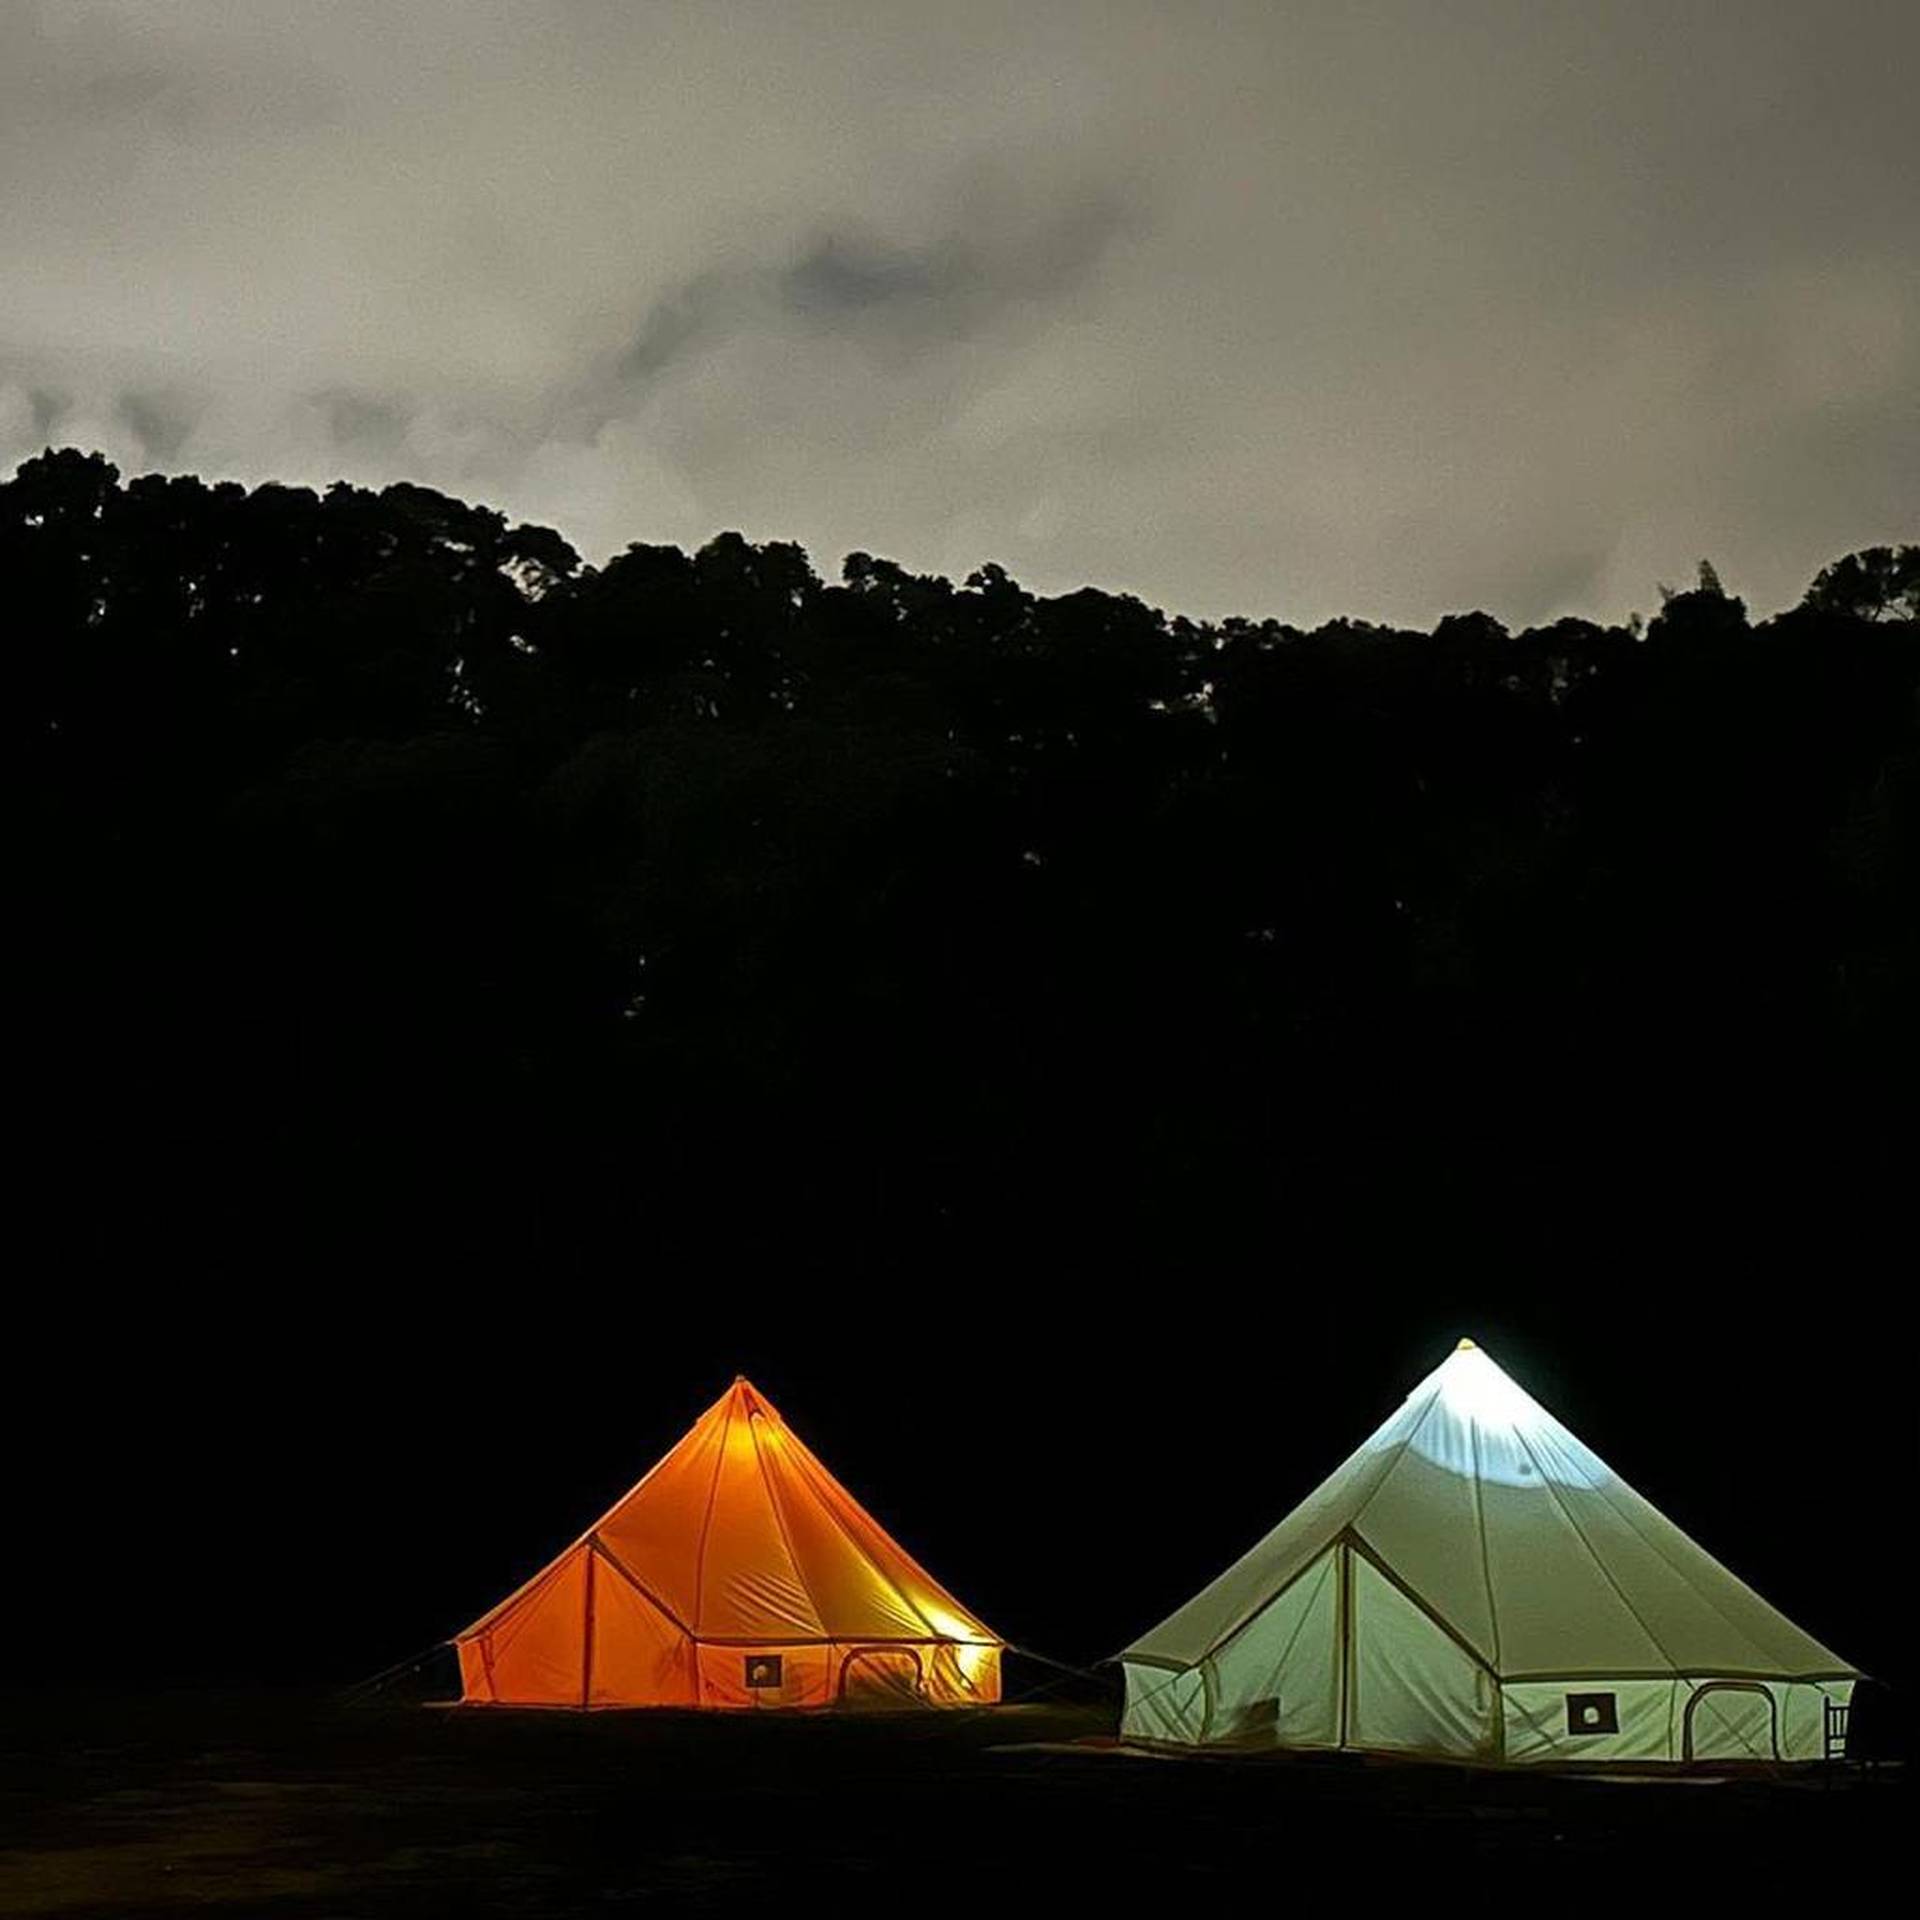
{"points": [[428, 936]]}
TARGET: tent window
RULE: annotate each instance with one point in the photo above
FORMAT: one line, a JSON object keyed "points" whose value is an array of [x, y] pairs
{"points": [[763, 1669], [1592, 1713]]}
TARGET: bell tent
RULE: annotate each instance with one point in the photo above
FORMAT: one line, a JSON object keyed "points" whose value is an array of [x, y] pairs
{"points": [[738, 1573], [1474, 1583]]}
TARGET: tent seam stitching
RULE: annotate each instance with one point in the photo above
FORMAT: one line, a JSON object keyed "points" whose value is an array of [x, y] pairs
{"points": [[1666, 1560], [626, 1573], [786, 1538], [1480, 1527], [1394, 1578], [807, 1463], [706, 1519], [1579, 1533], [1253, 1613]]}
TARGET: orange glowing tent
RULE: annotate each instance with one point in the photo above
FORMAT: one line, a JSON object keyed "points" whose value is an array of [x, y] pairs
{"points": [[738, 1573]]}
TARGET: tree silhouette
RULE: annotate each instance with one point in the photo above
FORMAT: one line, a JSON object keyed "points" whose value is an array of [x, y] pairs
{"points": [[1879, 583], [390, 876]]}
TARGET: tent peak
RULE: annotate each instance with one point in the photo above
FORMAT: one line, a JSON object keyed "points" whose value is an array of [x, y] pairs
{"points": [[744, 1394], [1465, 1345]]}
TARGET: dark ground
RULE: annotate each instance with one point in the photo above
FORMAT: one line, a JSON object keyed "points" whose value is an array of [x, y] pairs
{"points": [[286, 1804]]}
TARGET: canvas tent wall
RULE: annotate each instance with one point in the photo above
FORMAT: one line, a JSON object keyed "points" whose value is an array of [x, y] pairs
{"points": [[1474, 1583], [738, 1573]]}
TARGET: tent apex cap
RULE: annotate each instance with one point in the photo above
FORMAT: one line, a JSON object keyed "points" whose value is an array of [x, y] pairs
{"points": [[1465, 1345]]}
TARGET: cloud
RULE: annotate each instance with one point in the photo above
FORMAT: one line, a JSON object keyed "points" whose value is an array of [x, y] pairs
{"points": [[1272, 307], [160, 422], [988, 264], [947, 285], [362, 422], [678, 323], [46, 409], [87, 73], [1546, 586]]}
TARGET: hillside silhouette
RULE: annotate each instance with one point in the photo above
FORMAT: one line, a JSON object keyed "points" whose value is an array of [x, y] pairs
{"points": [[393, 882]]}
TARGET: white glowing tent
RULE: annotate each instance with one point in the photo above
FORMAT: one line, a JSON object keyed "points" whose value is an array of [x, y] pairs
{"points": [[1474, 1583]]}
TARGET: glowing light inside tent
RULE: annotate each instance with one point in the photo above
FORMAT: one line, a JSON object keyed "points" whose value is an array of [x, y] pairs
{"points": [[1478, 1424], [1473, 1388], [970, 1653], [746, 1538]]}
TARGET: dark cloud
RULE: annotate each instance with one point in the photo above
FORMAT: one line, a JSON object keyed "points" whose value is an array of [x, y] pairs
{"points": [[678, 323], [362, 422], [1547, 586], [46, 409], [960, 280], [893, 295], [159, 422], [838, 275], [103, 69]]}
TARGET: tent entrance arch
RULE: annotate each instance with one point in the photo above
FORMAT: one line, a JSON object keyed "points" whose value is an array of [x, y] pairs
{"points": [[1733, 1725], [882, 1677]]}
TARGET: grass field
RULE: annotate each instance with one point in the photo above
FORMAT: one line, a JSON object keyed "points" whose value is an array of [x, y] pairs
{"points": [[292, 1805]]}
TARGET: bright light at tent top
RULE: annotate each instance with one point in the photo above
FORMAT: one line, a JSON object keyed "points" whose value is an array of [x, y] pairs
{"points": [[1470, 1418], [1473, 1388]]}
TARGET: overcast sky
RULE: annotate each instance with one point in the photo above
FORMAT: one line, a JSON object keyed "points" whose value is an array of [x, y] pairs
{"points": [[1392, 309]]}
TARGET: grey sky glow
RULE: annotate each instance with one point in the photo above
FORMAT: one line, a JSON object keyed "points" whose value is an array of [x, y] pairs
{"points": [[1391, 309]]}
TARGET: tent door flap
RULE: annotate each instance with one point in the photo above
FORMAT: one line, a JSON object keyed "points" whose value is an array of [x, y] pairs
{"points": [[882, 1677], [1744, 1714]]}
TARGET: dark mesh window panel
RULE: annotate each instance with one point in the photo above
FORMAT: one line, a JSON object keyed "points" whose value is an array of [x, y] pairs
{"points": [[763, 1669], [1592, 1713]]}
